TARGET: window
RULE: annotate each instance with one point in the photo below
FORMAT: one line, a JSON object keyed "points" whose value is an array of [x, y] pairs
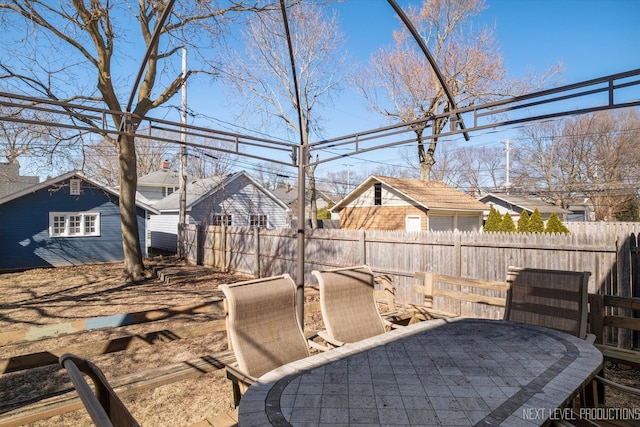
{"points": [[221, 220], [377, 194], [75, 224], [170, 190], [74, 187], [258, 221]]}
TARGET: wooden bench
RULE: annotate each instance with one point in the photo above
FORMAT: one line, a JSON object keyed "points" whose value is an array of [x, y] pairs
{"points": [[608, 311], [461, 289]]}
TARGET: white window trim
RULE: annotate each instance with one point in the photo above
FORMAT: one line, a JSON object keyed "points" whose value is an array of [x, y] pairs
{"points": [[168, 190], [67, 215], [221, 219], [74, 186], [255, 220]]}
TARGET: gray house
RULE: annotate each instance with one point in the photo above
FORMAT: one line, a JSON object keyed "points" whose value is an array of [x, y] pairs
{"points": [[11, 181], [514, 204], [231, 200], [67, 220]]}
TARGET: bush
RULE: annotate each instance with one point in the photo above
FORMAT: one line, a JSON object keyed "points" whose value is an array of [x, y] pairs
{"points": [[536, 224], [493, 221], [507, 225], [554, 225], [523, 222]]}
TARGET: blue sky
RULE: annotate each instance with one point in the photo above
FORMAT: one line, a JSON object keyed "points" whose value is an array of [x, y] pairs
{"points": [[591, 38]]}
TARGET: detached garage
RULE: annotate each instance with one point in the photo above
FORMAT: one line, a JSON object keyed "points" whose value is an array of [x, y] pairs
{"points": [[386, 203]]}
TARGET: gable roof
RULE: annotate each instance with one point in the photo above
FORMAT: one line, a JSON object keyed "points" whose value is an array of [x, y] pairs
{"points": [[199, 189], [428, 194], [64, 177], [161, 178], [524, 202], [290, 195], [11, 181]]}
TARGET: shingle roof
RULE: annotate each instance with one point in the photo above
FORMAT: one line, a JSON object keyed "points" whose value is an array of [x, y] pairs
{"points": [[430, 194], [527, 202], [161, 178], [433, 194]]}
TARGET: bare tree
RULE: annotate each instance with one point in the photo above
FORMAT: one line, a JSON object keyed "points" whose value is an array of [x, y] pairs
{"points": [[100, 159], [592, 155], [401, 84], [271, 176], [263, 71], [70, 43], [341, 182]]}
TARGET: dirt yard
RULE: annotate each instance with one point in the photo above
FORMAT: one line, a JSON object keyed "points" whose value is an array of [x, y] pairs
{"points": [[48, 296]]}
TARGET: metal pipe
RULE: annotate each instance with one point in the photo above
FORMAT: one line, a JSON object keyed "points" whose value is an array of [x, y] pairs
{"points": [[302, 161]]}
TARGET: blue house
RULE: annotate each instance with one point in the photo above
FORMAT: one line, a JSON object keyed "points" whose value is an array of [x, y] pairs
{"points": [[68, 220]]}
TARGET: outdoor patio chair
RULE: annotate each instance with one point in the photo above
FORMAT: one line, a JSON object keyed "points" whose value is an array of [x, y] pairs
{"points": [[104, 406], [555, 299], [263, 328], [348, 305]]}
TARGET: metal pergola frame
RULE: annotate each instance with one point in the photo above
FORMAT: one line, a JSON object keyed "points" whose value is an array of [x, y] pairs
{"points": [[485, 116]]}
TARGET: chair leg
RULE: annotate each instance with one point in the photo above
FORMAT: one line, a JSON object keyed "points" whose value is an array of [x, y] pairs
{"points": [[236, 394], [236, 389]]}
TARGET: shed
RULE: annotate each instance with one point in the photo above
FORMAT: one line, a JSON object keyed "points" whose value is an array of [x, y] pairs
{"points": [[68, 220], [386, 203]]}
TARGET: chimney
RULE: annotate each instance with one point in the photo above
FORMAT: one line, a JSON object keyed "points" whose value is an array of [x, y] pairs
{"points": [[165, 164]]}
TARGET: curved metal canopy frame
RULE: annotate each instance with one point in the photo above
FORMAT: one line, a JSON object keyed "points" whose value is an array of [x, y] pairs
{"points": [[609, 85]]}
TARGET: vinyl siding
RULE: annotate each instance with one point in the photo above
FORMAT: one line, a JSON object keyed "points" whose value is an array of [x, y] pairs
{"points": [[24, 229], [164, 232], [240, 199]]}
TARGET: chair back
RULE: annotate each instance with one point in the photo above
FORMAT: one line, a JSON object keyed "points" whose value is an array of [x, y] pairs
{"points": [[262, 324], [348, 305], [104, 406], [555, 299]]}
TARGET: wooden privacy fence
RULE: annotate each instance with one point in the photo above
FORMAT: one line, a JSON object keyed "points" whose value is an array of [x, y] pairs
{"points": [[608, 250]]}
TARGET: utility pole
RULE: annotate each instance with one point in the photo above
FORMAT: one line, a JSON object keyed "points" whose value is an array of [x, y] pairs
{"points": [[182, 215], [507, 150]]}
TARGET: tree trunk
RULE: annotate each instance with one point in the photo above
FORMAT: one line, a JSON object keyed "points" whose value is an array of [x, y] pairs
{"points": [[313, 208], [133, 266], [425, 157]]}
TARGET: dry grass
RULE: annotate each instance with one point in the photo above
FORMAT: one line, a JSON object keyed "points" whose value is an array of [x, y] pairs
{"points": [[46, 296]]}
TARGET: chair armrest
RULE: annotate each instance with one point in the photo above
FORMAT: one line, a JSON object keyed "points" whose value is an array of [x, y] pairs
{"points": [[236, 375], [332, 342], [621, 387], [391, 324], [590, 338], [313, 344]]}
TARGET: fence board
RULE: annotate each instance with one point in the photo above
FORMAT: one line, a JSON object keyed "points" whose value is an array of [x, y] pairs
{"points": [[608, 250]]}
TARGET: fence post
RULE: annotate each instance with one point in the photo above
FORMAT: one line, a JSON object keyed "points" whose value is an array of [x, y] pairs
{"points": [[623, 284], [363, 247], [457, 253], [256, 238]]}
